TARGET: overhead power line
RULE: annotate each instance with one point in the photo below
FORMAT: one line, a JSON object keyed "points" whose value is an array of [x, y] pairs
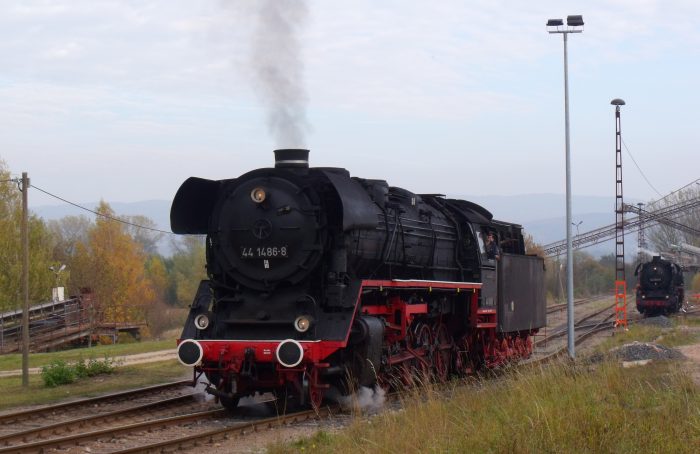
{"points": [[668, 198], [98, 213], [640, 170], [607, 232]]}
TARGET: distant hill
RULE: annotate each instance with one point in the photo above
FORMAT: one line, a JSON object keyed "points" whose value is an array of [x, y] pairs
{"points": [[542, 215], [523, 209]]}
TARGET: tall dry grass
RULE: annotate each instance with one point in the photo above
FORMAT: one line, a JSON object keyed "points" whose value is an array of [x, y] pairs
{"points": [[563, 408]]}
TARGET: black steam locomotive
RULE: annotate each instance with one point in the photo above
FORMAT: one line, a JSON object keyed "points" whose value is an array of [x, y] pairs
{"points": [[319, 279], [660, 287]]}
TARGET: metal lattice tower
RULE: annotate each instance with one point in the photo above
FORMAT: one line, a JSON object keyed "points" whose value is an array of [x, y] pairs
{"points": [[665, 215], [620, 282], [641, 241]]}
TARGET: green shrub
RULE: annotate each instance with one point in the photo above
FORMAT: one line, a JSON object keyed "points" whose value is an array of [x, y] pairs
{"points": [[97, 367], [126, 338], [81, 369], [57, 373], [61, 373]]}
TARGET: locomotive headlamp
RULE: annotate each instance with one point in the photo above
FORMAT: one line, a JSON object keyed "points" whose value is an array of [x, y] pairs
{"points": [[201, 321], [303, 323], [258, 195]]}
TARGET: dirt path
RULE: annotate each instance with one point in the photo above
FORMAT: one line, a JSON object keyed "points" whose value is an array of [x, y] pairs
{"points": [[119, 361]]}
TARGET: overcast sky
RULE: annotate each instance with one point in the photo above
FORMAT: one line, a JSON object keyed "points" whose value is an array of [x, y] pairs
{"points": [[123, 100]]}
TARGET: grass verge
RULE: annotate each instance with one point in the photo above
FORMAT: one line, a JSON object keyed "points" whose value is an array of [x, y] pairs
{"points": [[565, 408], [128, 377], [561, 408], [14, 361], [681, 334], [690, 320]]}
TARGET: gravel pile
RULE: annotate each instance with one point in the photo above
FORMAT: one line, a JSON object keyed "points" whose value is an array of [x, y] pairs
{"points": [[638, 351], [644, 350], [660, 320]]}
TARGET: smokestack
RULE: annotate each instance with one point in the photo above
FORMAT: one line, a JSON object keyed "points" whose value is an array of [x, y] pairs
{"points": [[292, 158]]}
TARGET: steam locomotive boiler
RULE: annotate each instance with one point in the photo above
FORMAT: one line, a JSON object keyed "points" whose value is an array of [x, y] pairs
{"points": [[660, 287], [319, 279]]}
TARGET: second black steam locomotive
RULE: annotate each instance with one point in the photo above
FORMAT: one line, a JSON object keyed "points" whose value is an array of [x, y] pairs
{"points": [[320, 279], [660, 287]]}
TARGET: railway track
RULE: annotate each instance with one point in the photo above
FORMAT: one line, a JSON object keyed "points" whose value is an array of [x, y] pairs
{"points": [[152, 414], [145, 411], [561, 330], [105, 439], [125, 430], [31, 430], [227, 433], [562, 306], [586, 329], [67, 410], [583, 332], [151, 426]]}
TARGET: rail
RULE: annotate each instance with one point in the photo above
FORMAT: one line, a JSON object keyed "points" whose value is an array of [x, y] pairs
{"points": [[228, 432], [35, 413]]}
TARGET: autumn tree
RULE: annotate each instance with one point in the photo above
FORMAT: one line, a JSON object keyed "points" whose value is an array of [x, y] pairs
{"points": [[532, 247], [162, 316], [145, 232], [113, 265], [157, 276], [40, 278], [67, 233], [592, 277], [186, 269]]}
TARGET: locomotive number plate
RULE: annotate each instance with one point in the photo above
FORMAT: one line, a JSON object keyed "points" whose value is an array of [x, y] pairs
{"points": [[268, 252]]}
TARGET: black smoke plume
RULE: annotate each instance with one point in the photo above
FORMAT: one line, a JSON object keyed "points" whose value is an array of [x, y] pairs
{"points": [[276, 63]]}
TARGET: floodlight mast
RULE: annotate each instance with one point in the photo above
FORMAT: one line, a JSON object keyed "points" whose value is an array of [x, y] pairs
{"points": [[574, 25], [620, 279]]}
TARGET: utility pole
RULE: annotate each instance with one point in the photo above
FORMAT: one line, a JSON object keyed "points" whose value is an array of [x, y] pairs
{"points": [[25, 279]]}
